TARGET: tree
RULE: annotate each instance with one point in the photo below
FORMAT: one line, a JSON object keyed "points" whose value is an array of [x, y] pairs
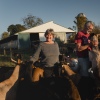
{"points": [[31, 21], [80, 21], [12, 29], [72, 37], [96, 29], [4, 35]]}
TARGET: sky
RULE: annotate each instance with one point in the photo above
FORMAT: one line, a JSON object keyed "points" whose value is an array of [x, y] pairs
{"points": [[62, 12]]}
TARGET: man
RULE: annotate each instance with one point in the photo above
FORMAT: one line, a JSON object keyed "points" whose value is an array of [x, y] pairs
{"points": [[82, 46]]}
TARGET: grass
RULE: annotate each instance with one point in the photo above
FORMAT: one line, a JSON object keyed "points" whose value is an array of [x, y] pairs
{"points": [[26, 53], [5, 61]]}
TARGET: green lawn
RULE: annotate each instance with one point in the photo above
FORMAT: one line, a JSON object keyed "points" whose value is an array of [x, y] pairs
{"points": [[5, 61]]}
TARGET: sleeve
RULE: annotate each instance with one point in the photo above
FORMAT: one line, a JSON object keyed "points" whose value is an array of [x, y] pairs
{"points": [[35, 56], [58, 48], [78, 38], [58, 51]]}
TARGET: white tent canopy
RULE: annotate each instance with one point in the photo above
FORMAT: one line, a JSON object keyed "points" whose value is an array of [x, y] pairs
{"points": [[42, 28]]}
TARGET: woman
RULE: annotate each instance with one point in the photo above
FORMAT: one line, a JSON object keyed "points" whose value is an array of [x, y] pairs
{"points": [[49, 52]]}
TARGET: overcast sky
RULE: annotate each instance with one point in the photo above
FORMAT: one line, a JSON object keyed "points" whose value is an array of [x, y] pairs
{"points": [[62, 12]]}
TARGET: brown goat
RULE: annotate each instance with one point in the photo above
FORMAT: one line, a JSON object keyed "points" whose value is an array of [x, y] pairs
{"points": [[8, 87]]}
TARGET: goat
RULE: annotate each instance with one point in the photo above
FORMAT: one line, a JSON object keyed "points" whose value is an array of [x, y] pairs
{"points": [[45, 85], [8, 87], [51, 88]]}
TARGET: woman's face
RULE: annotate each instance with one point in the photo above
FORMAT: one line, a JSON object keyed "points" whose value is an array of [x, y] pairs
{"points": [[49, 37]]}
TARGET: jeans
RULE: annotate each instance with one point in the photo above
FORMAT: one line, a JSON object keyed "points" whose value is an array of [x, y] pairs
{"points": [[84, 64], [52, 71], [48, 71]]}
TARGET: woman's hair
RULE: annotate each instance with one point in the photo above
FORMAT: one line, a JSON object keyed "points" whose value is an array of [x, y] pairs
{"points": [[49, 31]]}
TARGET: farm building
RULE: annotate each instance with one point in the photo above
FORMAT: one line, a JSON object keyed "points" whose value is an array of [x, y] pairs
{"points": [[27, 38]]}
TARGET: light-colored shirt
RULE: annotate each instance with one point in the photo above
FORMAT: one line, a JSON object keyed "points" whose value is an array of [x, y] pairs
{"points": [[49, 54]]}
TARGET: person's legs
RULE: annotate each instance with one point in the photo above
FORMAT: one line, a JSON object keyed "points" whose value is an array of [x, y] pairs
{"points": [[83, 66], [48, 72]]}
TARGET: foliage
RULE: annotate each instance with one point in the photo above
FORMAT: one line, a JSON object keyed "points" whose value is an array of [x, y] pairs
{"points": [[96, 29], [80, 21], [4, 35], [72, 37], [32, 21], [15, 28], [5, 61]]}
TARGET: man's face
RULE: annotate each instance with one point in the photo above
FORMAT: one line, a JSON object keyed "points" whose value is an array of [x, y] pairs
{"points": [[90, 28]]}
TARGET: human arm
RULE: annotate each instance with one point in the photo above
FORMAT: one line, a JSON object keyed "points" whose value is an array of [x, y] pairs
{"points": [[79, 47], [35, 56], [82, 41]]}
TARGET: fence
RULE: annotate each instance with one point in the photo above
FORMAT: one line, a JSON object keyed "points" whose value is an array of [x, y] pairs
{"points": [[6, 54]]}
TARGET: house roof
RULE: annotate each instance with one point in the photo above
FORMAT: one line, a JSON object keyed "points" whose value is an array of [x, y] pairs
{"points": [[42, 28]]}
